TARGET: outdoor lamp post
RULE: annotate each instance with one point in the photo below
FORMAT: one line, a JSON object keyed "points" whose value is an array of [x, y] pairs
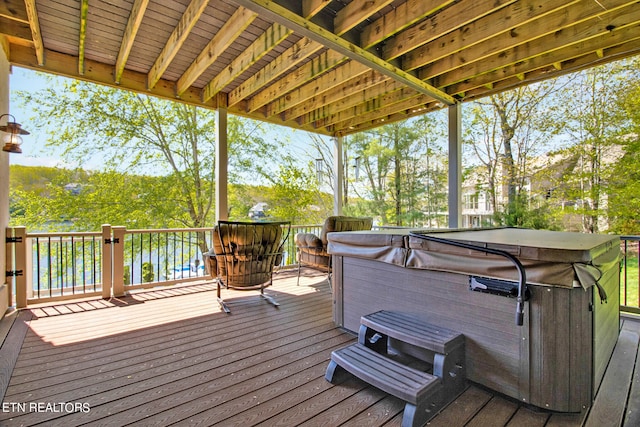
{"points": [[12, 140]]}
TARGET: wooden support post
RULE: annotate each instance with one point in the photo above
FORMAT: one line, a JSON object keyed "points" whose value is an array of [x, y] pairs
{"points": [[117, 251], [222, 160], [455, 166], [20, 265], [338, 175], [107, 257]]}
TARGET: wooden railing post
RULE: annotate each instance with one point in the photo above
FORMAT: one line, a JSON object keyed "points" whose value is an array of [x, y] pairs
{"points": [[107, 264], [117, 247], [21, 273]]}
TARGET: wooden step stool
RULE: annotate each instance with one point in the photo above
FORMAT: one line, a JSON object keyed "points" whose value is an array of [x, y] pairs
{"points": [[386, 332]]}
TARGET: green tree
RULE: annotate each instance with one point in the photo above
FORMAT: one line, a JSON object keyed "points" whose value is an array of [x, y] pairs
{"points": [[140, 135], [594, 123], [624, 183], [505, 132]]}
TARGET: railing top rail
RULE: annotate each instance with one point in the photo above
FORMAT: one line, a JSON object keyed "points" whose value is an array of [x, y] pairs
{"points": [[64, 234], [636, 238], [169, 230]]}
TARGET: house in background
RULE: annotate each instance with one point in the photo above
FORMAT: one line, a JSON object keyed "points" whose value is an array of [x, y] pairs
{"points": [[561, 180]]}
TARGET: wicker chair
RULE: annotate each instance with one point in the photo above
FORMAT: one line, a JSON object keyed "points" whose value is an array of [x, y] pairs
{"points": [[245, 254], [312, 250]]}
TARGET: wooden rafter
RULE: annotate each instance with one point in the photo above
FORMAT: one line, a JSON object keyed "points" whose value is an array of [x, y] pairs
{"points": [[286, 61], [317, 88], [332, 41], [133, 25], [350, 93], [399, 19], [230, 31], [588, 36], [356, 12], [489, 35], [34, 24], [366, 114], [290, 58], [84, 10], [176, 40], [455, 16], [373, 96], [531, 61], [267, 41], [313, 7], [312, 69]]}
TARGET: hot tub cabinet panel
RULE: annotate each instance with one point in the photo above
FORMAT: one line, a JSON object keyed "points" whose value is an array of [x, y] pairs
{"points": [[556, 360]]}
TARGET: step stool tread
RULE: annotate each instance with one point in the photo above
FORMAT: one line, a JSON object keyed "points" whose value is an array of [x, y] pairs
{"points": [[412, 330], [402, 381]]}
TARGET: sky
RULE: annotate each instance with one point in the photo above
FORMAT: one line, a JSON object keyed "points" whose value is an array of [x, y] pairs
{"points": [[35, 152], [33, 146]]}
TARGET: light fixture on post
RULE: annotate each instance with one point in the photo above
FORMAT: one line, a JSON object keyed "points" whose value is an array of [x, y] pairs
{"points": [[319, 163], [356, 166], [12, 140]]}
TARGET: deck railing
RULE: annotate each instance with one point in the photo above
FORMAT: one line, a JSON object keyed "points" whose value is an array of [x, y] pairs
{"points": [[629, 277], [46, 267]]}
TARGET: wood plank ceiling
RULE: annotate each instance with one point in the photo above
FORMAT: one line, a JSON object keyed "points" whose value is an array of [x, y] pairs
{"points": [[333, 67]]}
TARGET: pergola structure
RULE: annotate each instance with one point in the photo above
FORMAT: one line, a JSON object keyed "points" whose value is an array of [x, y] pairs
{"points": [[334, 67]]}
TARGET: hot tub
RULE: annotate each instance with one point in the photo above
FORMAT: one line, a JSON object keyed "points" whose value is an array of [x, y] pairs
{"points": [[555, 360]]}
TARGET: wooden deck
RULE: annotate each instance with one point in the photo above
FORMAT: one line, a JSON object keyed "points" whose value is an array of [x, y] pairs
{"points": [[171, 357]]}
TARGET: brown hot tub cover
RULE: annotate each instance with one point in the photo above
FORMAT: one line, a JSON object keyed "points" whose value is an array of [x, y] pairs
{"points": [[554, 258]]}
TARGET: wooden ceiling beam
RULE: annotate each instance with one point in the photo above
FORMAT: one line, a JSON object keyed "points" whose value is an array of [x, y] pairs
{"points": [[293, 56], [401, 17], [34, 25], [307, 28], [84, 10], [14, 10], [391, 118], [588, 36], [349, 88], [16, 30], [391, 102], [313, 7], [589, 60], [130, 32], [338, 77], [280, 90], [410, 107], [374, 93], [287, 60], [267, 41], [310, 70], [451, 18], [356, 12], [176, 40], [545, 69], [511, 26], [230, 31]]}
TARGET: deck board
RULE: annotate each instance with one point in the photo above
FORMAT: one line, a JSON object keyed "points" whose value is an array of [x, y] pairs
{"points": [[172, 357]]}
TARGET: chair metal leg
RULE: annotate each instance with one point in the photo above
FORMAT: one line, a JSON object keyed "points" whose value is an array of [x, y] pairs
{"points": [[269, 298], [224, 306]]}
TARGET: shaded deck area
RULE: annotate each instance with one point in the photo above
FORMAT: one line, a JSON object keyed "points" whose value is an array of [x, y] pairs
{"points": [[171, 356]]}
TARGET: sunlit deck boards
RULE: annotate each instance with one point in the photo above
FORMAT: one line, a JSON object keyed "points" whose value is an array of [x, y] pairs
{"points": [[171, 356]]}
